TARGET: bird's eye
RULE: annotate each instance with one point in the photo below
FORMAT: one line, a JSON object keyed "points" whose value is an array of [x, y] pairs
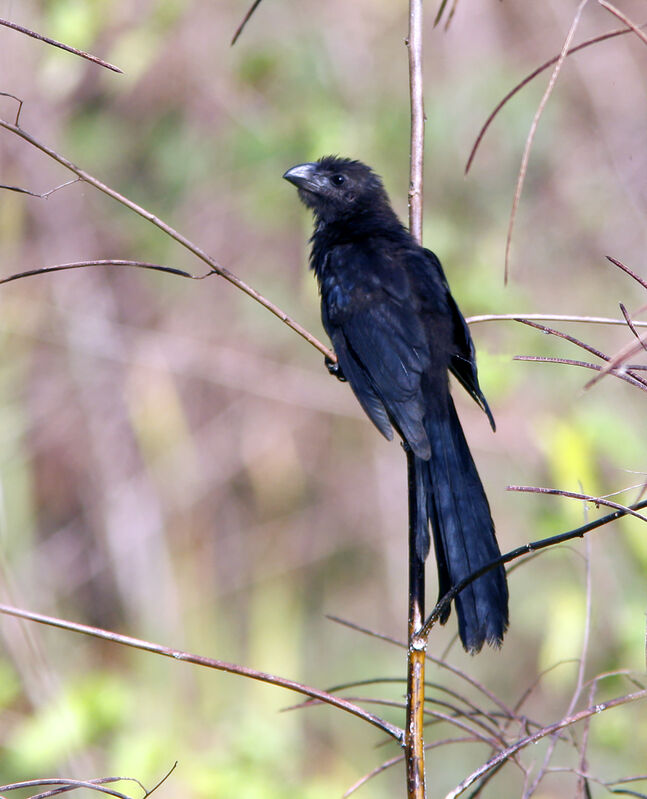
{"points": [[337, 180]]}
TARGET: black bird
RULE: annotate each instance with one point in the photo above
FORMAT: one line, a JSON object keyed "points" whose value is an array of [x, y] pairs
{"points": [[397, 331]]}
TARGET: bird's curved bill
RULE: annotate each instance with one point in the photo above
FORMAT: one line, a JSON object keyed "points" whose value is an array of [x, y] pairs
{"points": [[303, 176]]}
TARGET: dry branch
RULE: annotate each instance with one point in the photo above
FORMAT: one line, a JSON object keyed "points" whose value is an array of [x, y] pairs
{"points": [[533, 129], [172, 233], [206, 662], [60, 45]]}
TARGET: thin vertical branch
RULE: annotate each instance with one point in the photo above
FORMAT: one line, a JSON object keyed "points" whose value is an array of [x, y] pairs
{"points": [[417, 644], [414, 43], [414, 741], [414, 729]]}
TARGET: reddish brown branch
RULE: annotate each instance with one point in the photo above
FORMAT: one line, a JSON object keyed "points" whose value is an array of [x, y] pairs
{"points": [[550, 729], [525, 158], [245, 20], [60, 45], [626, 269], [533, 546], [414, 45], [174, 234], [624, 18], [584, 364], [206, 662], [527, 80]]}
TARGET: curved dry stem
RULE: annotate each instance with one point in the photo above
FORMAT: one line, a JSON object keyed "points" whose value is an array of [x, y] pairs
{"points": [[624, 18], [60, 45], [547, 317], [626, 269], [245, 20], [585, 365], [431, 658], [575, 495], [631, 348], [206, 662], [43, 270], [550, 729], [399, 758], [531, 134], [172, 233], [65, 785], [579, 685], [631, 325], [527, 80], [612, 363], [531, 547]]}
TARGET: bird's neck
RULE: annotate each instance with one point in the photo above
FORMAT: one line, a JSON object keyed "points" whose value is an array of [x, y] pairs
{"points": [[369, 224]]}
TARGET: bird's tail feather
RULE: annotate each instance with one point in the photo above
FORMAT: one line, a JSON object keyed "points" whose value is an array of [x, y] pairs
{"points": [[451, 499]]}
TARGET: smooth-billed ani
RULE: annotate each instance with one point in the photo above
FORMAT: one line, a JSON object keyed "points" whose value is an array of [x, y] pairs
{"points": [[397, 332]]}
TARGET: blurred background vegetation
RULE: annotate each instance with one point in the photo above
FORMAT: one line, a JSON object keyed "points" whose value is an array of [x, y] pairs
{"points": [[177, 465]]}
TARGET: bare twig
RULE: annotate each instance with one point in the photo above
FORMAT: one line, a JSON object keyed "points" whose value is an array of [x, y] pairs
{"points": [[43, 195], [70, 785], [67, 785], [631, 325], [245, 20], [174, 234], [582, 784], [526, 81], [626, 269], [462, 675], [631, 348], [551, 331], [547, 317], [579, 683], [533, 546], [533, 129], [472, 711], [587, 347], [414, 44], [624, 18], [60, 45], [20, 103], [44, 270], [522, 743], [399, 758], [585, 365], [414, 725], [210, 663], [575, 495]]}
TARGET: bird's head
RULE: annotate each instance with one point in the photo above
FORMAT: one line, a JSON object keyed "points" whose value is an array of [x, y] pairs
{"points": [[338, 188]]}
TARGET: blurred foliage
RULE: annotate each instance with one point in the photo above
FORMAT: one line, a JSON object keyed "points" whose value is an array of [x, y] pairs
{"points": [[177, 465]]}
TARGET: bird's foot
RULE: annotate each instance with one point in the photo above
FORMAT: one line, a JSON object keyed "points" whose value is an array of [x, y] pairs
{"points": [[334, 369]]}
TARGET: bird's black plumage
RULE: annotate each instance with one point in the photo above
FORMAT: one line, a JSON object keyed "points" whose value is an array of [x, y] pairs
{"points": [[396, 331]]}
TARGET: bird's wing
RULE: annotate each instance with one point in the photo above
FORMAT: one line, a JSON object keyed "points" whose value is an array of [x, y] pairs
{"points": [[463, 359], [383, 351]]}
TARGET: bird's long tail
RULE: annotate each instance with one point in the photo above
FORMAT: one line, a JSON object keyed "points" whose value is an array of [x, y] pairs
{"points": [[450, 499]]}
